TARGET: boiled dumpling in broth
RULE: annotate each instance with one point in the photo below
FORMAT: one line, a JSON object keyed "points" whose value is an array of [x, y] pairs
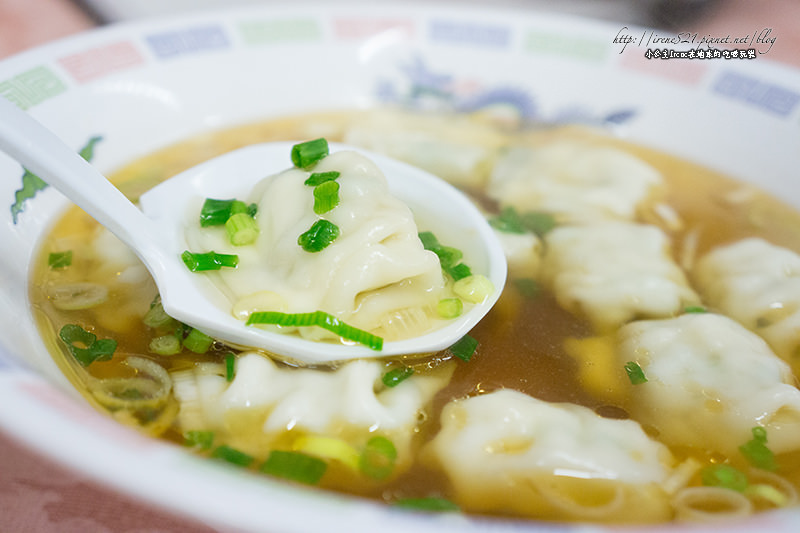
{"points": [[508, 452], [758, 284], [508, 423], [376, 275], [267, 405], [118, 271], [614, 272], [458, 149], [575, 181], [709, 382]]}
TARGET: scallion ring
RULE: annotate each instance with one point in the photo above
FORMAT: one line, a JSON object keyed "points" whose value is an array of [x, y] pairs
{"points": [[321, 319]]}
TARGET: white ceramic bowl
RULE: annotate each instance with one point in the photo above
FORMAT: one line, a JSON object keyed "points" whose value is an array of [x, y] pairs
{"points": [[145, 85]]}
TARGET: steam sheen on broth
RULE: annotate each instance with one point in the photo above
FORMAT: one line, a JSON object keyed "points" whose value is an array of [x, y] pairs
{"points": [[543, 421]]}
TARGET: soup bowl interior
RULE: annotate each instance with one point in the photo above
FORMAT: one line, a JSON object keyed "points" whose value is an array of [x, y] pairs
{"points": [[144, 86]]}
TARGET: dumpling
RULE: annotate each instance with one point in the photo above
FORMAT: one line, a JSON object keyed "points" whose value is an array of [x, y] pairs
{"points": [[709, 382], [508, 452], [266, 405], [374, 271], [523, 252], [117, 261], [116, 271], [757, 284], [458, 149], [576, 181], [614, 272]]}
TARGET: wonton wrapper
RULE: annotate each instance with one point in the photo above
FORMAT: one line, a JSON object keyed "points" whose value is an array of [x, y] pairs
{"points": [[575, 181], [507, 452], [614, 272], [456, 148], [523, 253], [710, 381], [757, 284], [265, 404], [374, 270], [115, 270]]}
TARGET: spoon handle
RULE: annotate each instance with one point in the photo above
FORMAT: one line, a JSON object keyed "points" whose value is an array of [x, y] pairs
{"points": [[43, 153]]}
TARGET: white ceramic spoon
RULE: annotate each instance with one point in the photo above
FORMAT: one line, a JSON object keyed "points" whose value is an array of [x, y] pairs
{"points": [[156, 233]]}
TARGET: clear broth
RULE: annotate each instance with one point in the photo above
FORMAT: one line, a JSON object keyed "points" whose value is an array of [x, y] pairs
{"points": [[521, 341]]}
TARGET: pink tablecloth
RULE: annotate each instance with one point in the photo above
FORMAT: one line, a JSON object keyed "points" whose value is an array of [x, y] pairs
{"points": [[38, 496]]}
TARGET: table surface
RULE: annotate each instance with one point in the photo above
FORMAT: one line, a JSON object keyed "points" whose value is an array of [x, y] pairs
{"points": [[37, 495]]}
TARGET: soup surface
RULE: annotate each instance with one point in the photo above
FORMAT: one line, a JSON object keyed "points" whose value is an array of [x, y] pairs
{"points": [[389, 421]]}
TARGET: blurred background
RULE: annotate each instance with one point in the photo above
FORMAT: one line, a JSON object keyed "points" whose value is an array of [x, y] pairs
{"points": [[26, 23], [631, 11]]}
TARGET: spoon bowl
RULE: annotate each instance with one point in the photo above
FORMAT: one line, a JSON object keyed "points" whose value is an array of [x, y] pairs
{"points": [[156, 233]]}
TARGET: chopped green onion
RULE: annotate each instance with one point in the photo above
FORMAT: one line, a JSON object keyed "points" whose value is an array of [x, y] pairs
{"points": [[756, 451], [508, 221], [528, 287], [464, 348], [60, 259], [378, 459], [449, 307], [427, 504], [208, 261], [102, 350], [78, 295], [635, 373], [694, 309], [181, 330], [232, 455], [230, 367], [318, 178], [429, 240], [319, 236], [449, 257], [295, 466], [156, 317], [326, 197], [538, 222], [511, 221], [317, 318], [215, 212], [474, 289], [84, 346], [241, 229], [239, 207], [307, 154], [199, 439], [197, 341], [767, 493], [459, 271], [168, 344], [724, 476], [393, 377]]}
